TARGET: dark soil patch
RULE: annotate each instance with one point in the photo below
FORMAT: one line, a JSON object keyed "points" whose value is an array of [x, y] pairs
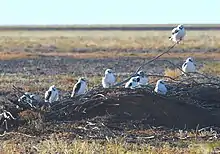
{"points": [[121, 106], [118, 112], [146, 107]]}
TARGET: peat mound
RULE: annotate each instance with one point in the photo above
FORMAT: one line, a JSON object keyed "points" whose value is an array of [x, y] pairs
{"points": [[185, 106], [123, 105]]}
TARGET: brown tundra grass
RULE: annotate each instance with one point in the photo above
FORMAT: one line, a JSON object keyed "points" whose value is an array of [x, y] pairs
{"points": [[66, 40], [56, 145]]}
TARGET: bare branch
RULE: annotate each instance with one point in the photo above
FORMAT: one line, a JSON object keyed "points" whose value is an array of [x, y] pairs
{"points": [[144, 64]]}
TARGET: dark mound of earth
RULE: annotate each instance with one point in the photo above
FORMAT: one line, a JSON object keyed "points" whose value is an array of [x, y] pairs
{"points": [[117, 108], [124, 105]]}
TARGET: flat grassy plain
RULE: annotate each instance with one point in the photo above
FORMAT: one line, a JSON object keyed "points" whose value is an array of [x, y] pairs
{"points": [[121, 47], [68, 40], [36, 59]]}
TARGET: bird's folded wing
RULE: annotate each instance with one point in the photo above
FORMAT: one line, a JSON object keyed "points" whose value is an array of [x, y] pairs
{"points": [[48, 95], [175, 30], [76, 87]]}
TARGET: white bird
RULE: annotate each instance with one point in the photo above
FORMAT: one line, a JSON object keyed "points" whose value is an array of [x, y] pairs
{"points": [[51, 94], [143, 79], [80, 87], [160, 87], [25, 97], [109, 78], [133, 82], [188, 66], [178, 34], [29, 98], [4, 117]]}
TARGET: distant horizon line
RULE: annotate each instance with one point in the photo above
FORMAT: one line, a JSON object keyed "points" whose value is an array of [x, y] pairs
{"points": [[107, 27], [76, 25]]}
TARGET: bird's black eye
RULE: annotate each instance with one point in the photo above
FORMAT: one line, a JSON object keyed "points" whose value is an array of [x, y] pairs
{"points": [[190, 60], [138, 79]]}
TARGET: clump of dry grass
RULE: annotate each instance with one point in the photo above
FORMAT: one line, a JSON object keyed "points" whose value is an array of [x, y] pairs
{"points": [[54, 144], [153, 79], [173, 73], [28, 115], [211, 68]]}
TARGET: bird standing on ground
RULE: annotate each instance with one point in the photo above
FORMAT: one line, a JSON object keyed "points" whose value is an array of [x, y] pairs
{"points": [[188, 66], [109, 78], [5, 116], [143, 79], [133, 83], [178, 34], [160, 87], [51, 94], [79, 88]]}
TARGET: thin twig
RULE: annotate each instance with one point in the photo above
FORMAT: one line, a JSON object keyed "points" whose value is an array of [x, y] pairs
{"points": [[144, 64]]}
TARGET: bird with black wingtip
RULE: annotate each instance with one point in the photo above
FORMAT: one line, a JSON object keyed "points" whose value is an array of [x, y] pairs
{"points": [[51, 95], [80, 87]]}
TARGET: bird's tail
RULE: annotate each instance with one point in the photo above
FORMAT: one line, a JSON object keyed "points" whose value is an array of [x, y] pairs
{"points": [[73, 94]]}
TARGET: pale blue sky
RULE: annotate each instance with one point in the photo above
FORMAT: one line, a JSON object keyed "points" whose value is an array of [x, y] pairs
{"points": [[21, 12]]}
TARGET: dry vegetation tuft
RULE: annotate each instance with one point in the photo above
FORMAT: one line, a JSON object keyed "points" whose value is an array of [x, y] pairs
{"points": [[173, 73], [57, 145], [211, 68]]}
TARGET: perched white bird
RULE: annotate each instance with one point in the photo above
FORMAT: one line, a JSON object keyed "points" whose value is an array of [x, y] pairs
{"points": [[160, 87], [26, 97], [29, 98], [109, 78], [189, 66], [178, 34], [80, 87], [143, 79], [133, 82], [51, 94]]}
